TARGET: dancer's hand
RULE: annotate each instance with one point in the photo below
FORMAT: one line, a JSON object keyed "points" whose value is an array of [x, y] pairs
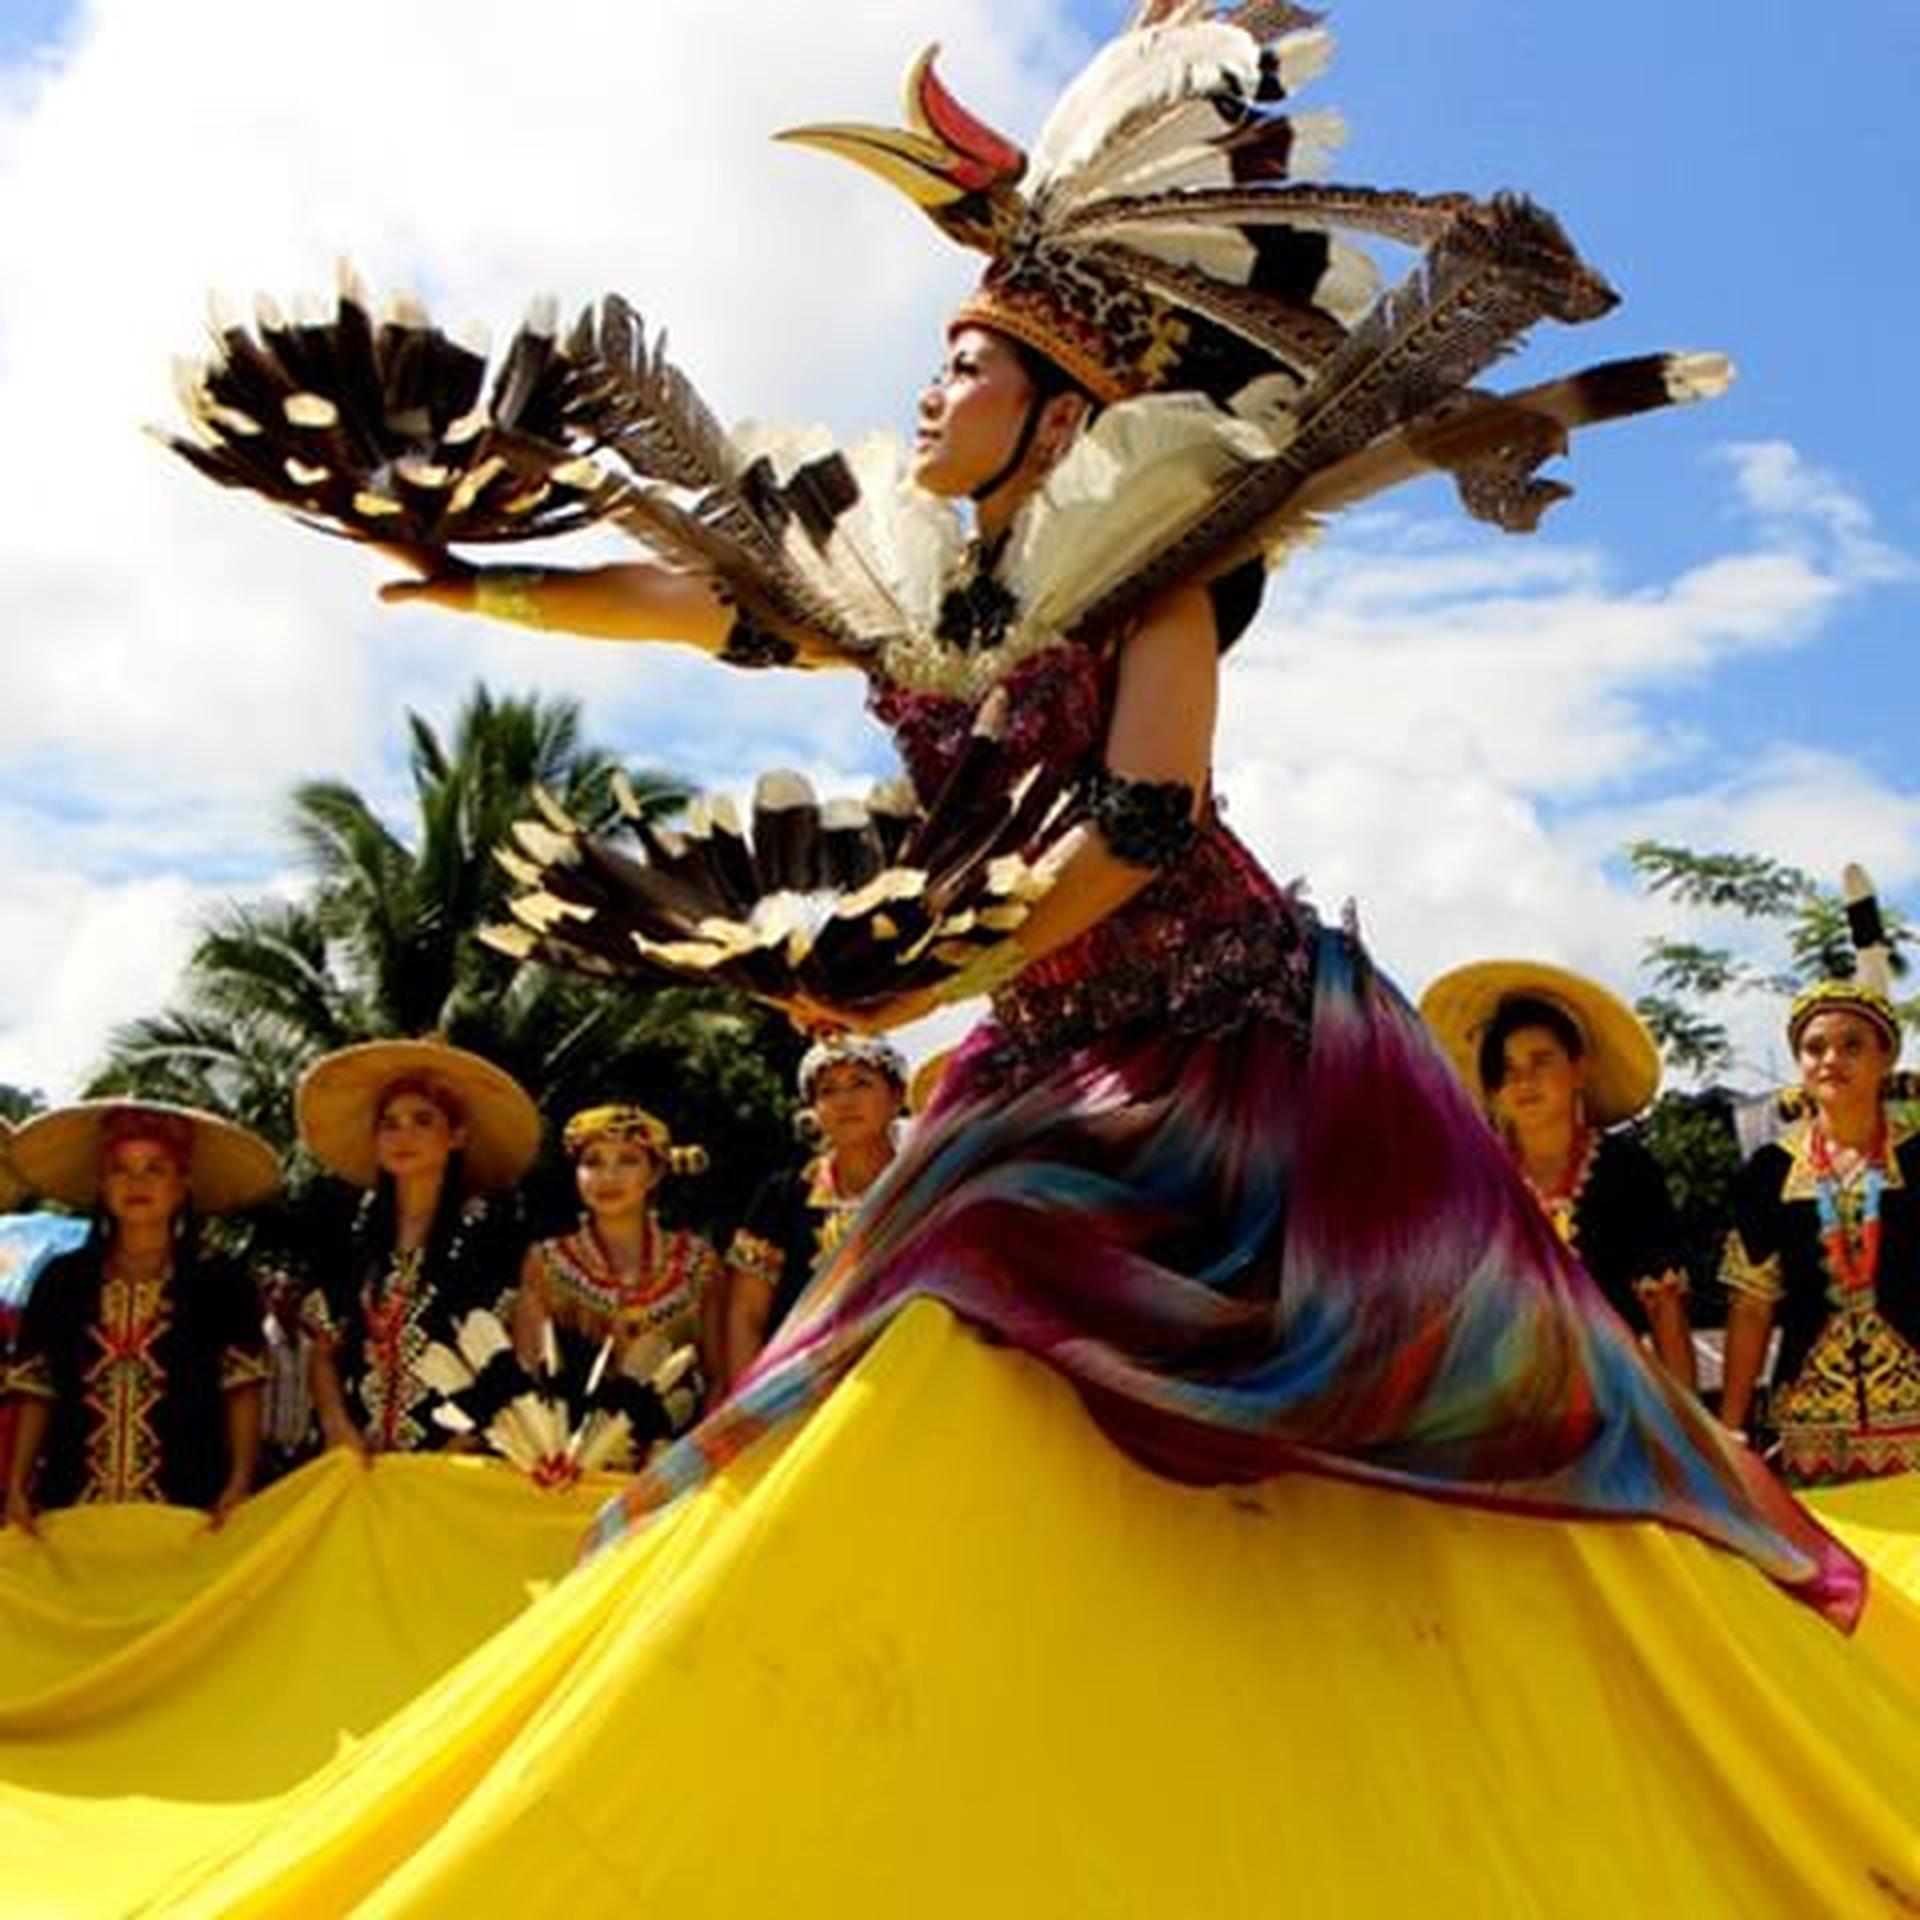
{"points": [[343, 1437], [453, 586], [815, 1018], [819, 1021], [20, 1512], [231, 1495]]}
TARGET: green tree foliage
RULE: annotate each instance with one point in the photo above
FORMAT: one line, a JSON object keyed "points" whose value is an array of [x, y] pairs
{"points": [[380, 942], [1808, 922], [20, 1103]]}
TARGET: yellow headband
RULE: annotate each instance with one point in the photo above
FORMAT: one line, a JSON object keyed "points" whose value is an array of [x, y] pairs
{"points": [[623, 1121], [1844, 996]]}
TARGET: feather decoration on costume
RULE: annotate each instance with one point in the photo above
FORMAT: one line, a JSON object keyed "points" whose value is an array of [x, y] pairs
{"points": [[524, 1417], [1160, 238], [387, 430], [848, 903]]}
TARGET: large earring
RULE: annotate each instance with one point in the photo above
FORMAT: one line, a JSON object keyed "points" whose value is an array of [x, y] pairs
{"points": [[1580, 1107]]}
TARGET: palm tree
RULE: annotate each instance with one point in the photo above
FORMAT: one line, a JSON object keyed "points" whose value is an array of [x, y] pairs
{"points": [[382, 944]]}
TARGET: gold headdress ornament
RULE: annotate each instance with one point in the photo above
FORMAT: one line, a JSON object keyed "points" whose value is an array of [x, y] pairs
{"points": [[624, 1121]]}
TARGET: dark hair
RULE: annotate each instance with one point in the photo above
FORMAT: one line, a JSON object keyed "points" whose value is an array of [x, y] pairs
{"points": [[1515, 1014], [375, 1229]]}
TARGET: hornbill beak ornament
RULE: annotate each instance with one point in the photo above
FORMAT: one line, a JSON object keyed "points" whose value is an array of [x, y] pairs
{"points": [[951, 165]]}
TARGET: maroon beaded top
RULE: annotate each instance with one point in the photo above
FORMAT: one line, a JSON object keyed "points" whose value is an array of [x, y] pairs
{"points": [[1209, 944]]}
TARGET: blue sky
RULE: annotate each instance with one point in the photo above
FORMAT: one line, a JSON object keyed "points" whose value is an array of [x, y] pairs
{"points": [[1709, 641]]}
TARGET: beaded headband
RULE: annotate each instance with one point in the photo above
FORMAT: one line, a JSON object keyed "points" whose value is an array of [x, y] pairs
{"points": [[852, 1049], [624, 1121], [1843, 996]]}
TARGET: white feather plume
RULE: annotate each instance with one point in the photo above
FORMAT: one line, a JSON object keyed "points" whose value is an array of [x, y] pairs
{"points": [[1084, 533], [1128, 79]]}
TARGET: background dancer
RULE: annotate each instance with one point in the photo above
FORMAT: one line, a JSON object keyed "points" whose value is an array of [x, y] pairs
{"points": [[139, 1364], [852, 1087], [1562, 1064]]}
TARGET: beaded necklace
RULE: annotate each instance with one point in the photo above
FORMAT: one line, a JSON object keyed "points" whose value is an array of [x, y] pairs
{"points": [[1560, 1198], [1853, 1259]]}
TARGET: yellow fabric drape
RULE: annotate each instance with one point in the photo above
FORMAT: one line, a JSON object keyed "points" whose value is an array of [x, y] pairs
{"points": [[943, 1652]]}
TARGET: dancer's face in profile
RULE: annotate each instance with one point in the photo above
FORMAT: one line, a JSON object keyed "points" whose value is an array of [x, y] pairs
{"points": [[1539, 1079], [615, 1177], [142, 1183], [1843, 1059], [854, 1104], [971, 415], [414, 1136]]}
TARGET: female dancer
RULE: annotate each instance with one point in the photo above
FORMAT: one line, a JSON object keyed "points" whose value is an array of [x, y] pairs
{"points": [[139, 1364], [852, 1088], [1561, 1063], [1826, 1242], [622, 1293], [431, 1133], [1200, 1158]]}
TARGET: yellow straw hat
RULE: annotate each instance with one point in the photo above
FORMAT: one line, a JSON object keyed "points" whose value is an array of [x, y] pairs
{"points": [[338, 1102], [925, 1084], [58, 1154], [1623, 1064]]}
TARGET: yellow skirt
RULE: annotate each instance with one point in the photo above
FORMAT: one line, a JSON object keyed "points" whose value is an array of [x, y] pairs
{"points": [[943, 1652]]}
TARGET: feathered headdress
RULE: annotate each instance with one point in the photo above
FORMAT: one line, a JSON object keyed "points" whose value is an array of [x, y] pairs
{"points": [[1161, 238], [1869, 993]]}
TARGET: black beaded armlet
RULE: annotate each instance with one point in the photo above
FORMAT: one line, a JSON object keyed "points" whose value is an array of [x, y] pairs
{"points": [[1146, 823]]}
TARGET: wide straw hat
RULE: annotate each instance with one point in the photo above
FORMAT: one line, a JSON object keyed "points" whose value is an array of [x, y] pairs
{"points": [[58, 1154], [339, 1097], [924, 1088], [12, 1188], [1623, 1064]]}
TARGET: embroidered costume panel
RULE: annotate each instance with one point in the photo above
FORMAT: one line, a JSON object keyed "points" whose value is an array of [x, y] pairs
{"points": [[381, 1309], [137, 1372]]}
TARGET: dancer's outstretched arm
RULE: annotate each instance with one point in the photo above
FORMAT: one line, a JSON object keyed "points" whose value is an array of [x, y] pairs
{"points": [[632, 601]]}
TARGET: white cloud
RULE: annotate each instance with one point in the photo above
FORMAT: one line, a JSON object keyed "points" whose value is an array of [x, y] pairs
{"points": [[1465, 736]]}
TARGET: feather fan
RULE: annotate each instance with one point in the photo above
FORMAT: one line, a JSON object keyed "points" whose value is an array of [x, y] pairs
{"points": [[848, 905]]}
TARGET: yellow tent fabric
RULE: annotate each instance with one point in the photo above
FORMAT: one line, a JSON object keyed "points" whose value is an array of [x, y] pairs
{"points": [[942, 1652]]}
